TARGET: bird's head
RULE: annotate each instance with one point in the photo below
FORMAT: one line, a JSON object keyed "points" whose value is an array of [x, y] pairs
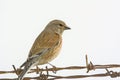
{"points": [[57, 26]]}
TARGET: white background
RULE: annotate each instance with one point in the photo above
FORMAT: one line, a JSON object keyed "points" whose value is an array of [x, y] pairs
{"points": [[95, 30]]}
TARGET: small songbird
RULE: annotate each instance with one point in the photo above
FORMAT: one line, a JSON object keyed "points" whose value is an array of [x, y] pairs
{"points": [[46, 46]]}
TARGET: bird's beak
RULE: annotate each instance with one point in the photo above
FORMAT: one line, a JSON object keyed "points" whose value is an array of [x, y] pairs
{"points": [[67, 28]]}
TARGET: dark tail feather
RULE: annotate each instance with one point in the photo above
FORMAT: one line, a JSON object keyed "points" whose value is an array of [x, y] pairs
{"points": [[31, 62], [25, 70]]}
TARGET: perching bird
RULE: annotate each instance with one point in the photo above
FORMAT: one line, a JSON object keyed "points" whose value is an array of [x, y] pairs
{"points": [[46, 47]]}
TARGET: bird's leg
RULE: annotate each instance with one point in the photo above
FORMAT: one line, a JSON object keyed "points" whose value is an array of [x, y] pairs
{"points": [[37, 69], [54, 68]]}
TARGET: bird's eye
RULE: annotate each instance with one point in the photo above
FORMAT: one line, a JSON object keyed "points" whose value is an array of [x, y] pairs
{"points": [[60, 25]]}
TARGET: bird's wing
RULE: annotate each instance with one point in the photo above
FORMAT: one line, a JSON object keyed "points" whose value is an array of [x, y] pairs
{"points": [[44, 41]]}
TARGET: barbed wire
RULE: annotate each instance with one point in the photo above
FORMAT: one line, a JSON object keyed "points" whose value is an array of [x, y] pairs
{"points": [[89, 66]]}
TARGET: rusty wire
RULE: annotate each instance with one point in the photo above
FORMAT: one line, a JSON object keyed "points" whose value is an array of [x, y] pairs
{"points": [[89, 66]]}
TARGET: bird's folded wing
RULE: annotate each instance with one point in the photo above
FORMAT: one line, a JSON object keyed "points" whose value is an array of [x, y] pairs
{"points": [[45, 41]]}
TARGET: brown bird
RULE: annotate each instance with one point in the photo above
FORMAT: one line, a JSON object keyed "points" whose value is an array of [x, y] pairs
{"points": [[46, 47]]}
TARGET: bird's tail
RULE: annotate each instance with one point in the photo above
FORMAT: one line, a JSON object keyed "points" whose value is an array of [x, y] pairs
{"points": [[33, 60], [28, 65]]}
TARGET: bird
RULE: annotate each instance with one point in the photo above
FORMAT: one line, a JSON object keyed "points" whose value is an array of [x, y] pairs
{"points": [[46, 47]]}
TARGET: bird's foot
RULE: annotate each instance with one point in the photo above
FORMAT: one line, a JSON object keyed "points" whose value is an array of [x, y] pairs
{"points": [[54, 68]]}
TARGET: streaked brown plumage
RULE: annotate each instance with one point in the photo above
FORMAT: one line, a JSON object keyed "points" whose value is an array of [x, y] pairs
{"points": [[46, 47]]}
